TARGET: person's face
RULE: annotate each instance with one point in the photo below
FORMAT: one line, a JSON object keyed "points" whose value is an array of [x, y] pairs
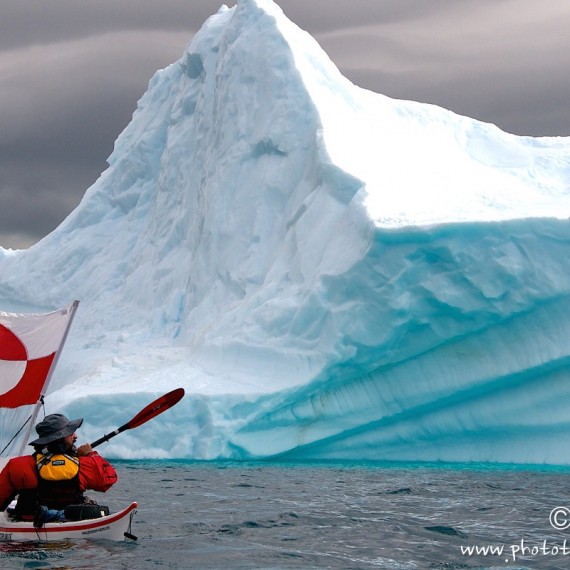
{"points": [[70, 440]]}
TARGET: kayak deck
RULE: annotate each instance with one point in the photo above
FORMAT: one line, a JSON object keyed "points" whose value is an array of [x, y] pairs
{"points": [[115, 526]]}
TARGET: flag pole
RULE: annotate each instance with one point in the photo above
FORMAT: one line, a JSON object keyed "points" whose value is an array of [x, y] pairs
{"points": [[39, 403]]}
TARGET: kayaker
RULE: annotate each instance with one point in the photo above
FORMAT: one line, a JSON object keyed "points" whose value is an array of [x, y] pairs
{"points": [[55, 475]]}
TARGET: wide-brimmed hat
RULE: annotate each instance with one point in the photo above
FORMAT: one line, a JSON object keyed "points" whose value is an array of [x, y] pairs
{"points": [[54, 427]]}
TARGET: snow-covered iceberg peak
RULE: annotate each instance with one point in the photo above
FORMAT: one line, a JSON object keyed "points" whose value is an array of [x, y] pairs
{"points": [[213, 191], [328, 272]]}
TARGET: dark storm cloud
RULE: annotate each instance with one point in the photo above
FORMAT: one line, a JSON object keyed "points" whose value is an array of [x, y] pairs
{"points": [[502, 62], [72, 71], [26, 22], [64, 104]]}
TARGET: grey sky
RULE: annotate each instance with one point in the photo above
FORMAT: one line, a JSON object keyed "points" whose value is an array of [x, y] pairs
{"points": [[72, 71]]}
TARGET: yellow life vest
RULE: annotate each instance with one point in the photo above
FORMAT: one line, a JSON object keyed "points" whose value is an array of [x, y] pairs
{"points": [[57, 466]]}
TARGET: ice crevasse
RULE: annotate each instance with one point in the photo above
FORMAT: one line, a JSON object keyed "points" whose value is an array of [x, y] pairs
{"points": [[328, 272]]}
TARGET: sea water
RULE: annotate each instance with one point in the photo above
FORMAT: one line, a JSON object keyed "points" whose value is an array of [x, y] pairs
{"points": [[350, 516]]}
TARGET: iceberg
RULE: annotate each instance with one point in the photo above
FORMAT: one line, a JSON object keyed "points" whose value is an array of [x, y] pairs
{"points": [[329, 273]]}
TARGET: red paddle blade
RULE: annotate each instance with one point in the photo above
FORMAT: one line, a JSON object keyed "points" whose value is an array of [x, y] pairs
{"points": [[157, 407]]}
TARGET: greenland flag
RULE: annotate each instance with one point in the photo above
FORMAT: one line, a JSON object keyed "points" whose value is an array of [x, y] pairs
{"points": [[29, 347]]}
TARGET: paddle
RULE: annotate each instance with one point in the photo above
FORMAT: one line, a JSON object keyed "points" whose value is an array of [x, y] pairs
{"points": [[152, 410]]}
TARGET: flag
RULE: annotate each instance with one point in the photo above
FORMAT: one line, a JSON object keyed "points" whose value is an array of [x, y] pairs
{"points": [[29, 346]]}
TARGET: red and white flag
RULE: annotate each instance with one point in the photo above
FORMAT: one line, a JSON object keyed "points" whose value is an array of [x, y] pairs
{"points": [[29, 347]]}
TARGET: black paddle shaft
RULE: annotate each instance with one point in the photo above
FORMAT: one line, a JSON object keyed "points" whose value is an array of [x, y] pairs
{"points": [[109, 436]]}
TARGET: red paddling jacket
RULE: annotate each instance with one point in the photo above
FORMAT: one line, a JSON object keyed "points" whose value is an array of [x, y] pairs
{"points": [[20, 477]]}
